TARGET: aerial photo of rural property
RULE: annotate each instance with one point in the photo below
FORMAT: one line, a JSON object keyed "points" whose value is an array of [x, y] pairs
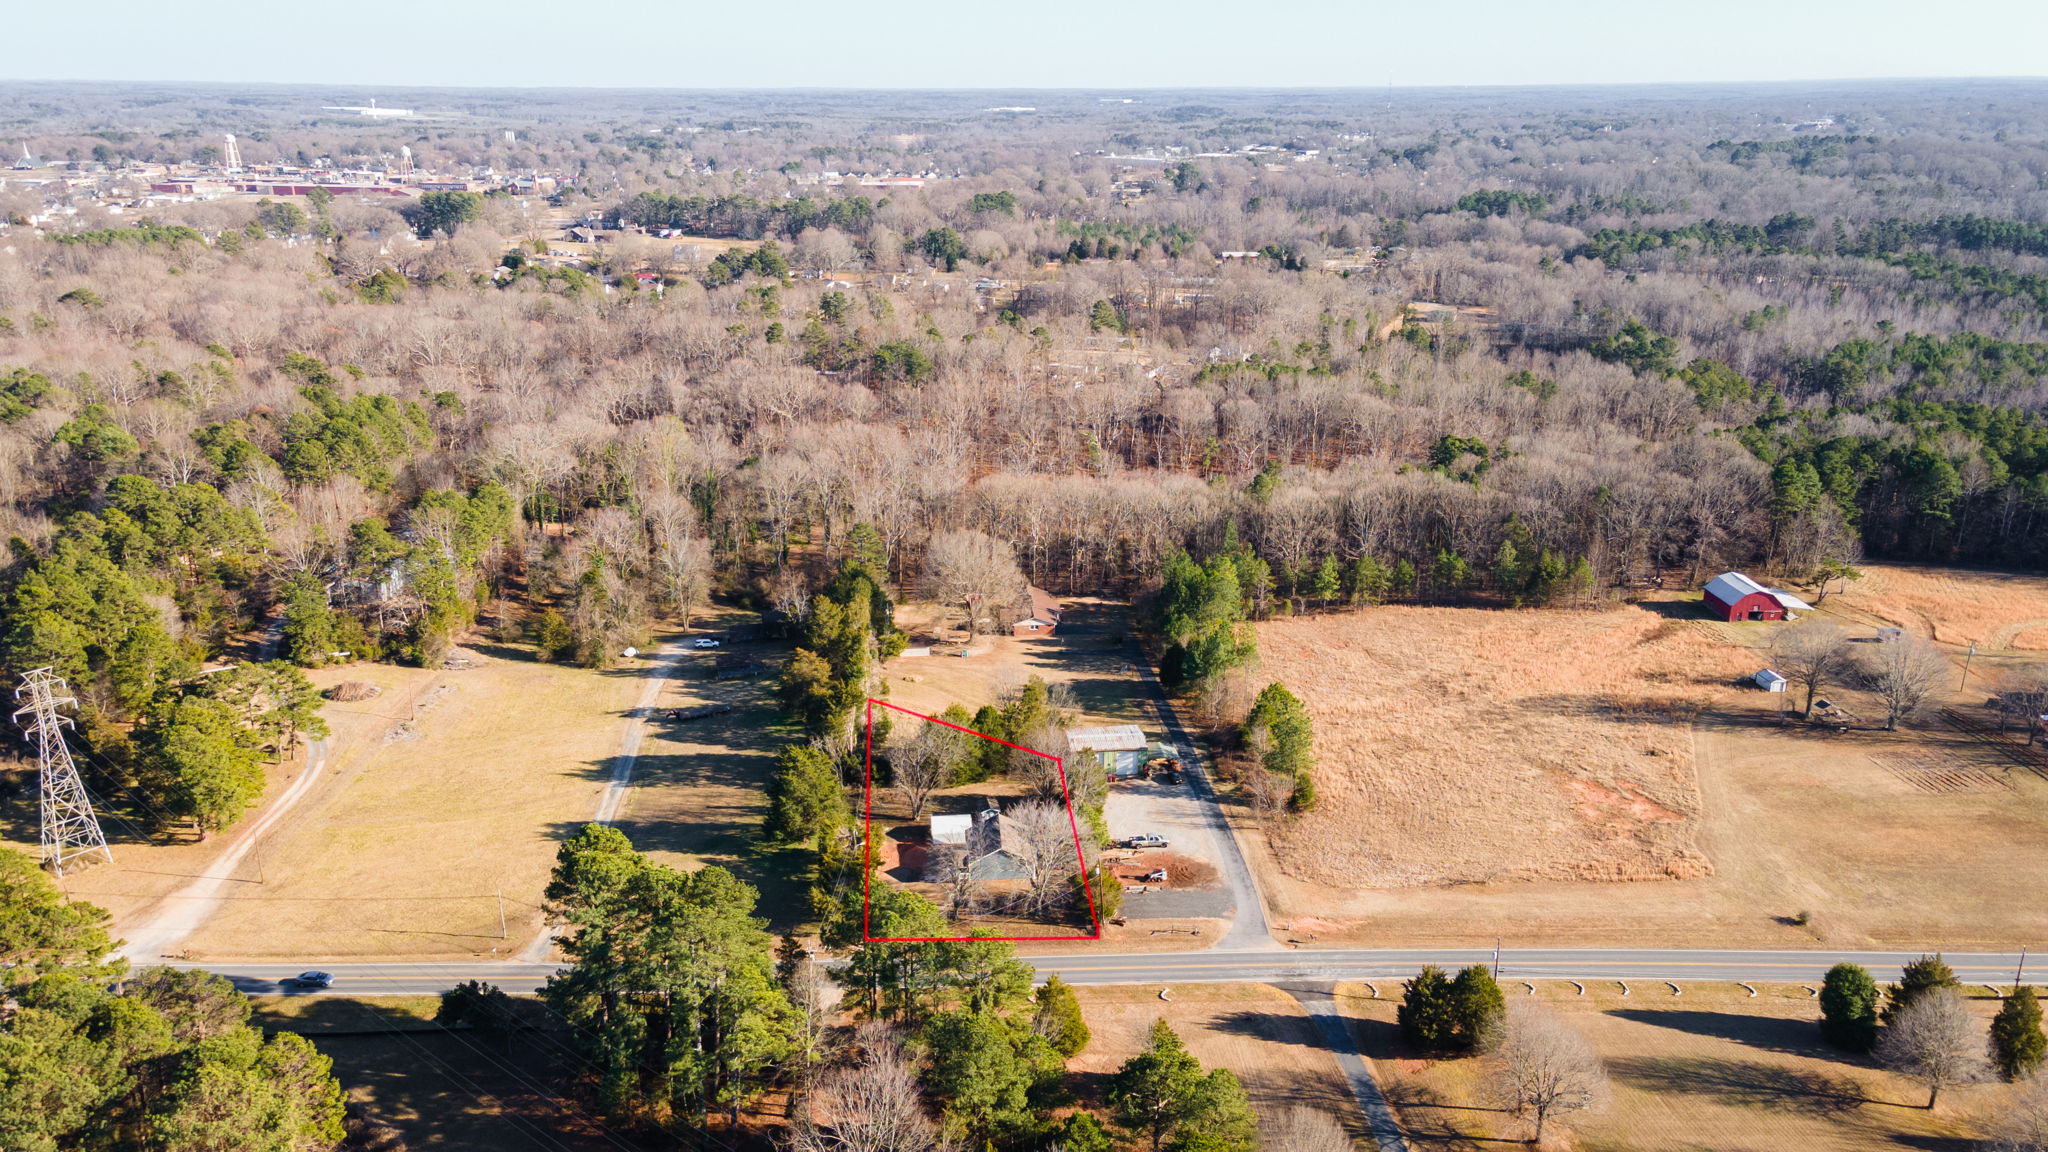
{"points": [[1028, 581]]}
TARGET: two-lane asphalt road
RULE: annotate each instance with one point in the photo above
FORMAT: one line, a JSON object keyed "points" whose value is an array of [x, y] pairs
{"points": [[1169, 968]]}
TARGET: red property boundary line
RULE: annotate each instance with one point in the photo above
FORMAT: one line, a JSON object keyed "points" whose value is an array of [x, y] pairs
{"points": [[868, 819]]}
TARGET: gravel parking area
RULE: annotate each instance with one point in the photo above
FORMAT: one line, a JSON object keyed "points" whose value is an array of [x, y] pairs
{"points": [[1170, 810]]}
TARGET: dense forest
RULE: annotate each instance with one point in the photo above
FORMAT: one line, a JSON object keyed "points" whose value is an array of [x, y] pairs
{"points": [[1437, 347]]}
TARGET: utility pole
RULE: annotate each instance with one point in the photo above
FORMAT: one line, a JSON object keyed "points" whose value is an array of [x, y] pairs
{"points": [[1966, 668], [501, 912], [2020, 976], [70, 829], [1496, 957]]}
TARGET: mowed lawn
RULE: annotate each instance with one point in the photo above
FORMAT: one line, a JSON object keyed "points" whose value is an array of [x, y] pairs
{"points": [[700, 787], [1710, 1071], [1256, 1031], [451, 790]]}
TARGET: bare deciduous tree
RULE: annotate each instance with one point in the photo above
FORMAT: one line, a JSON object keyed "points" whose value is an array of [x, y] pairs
{"points": [[2022, 1119], [1813, 654], [1936, 1041], [1041, 834], [2023, 696], [921, 764], [1545, 1069], [1906, 674], [976, 571], [871, 1106], [682, 556]]}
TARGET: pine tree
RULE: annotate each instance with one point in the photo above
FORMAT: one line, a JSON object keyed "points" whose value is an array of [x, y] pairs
{"points": [[1084, 1133], [1848, 1008], [1328, 584], [805, 797], [1162, 1095], [1058, 1018], [1916, 980], [2017, 1043], [1478, 1006], [1429, 1013], [1279, 724], [1370, 580], [1302, 797]]}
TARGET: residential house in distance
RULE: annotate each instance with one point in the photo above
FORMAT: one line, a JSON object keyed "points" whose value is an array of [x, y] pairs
{"points": [[1045, 615], [1733, 596], [1118, 748]]}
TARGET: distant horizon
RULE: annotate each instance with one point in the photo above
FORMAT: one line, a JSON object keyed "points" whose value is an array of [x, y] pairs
{"points": [[1136, 45], [1072, 89]]}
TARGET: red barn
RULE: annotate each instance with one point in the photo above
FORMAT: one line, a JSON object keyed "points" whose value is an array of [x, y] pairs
{"points": [[1733, 596]]}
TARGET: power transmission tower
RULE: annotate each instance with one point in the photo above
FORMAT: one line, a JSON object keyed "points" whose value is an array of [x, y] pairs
{"points": [[70, 830]]}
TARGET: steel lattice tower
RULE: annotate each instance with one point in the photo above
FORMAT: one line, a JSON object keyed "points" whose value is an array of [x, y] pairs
{"points": [[70, 830]]}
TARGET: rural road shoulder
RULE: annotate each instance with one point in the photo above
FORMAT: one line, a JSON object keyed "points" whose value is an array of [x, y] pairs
{"points": [[1262, 966]]}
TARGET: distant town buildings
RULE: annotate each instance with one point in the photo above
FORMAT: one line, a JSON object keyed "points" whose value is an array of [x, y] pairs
{"points": [[370, 109]]}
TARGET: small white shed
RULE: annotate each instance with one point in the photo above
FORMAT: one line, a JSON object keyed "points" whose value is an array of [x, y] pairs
{"points": [[1770, 681], [950, 829]]}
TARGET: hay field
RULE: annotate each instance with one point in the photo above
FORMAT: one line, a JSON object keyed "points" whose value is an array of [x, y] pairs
{"points": [[1992, 610], [1712, 1070], [1461, 745], [448, 788], [1255, 1030]]}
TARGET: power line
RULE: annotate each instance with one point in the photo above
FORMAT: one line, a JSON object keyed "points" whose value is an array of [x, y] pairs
{"points": [[69, 828]]}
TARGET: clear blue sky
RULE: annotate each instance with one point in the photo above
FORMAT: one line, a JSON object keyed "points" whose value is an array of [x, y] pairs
{"points": [[1032, 43]]}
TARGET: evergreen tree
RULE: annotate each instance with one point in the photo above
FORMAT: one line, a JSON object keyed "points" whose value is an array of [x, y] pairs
{"points": [[205, 765], [1371, 580], [1916, 980], [1478, 1006], [1328, 584], [1848, 1008], [1105, 318], [1162, 1096], [1058, 1018], [660, 953], [1279, 726], [1082, 1132], [981, 1071], [805, 797], [987, 758], [1302, 797], [2017, 1043], [1428, 1014]]}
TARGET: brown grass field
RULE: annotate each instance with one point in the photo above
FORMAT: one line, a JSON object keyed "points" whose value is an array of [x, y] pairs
{"points": [[1256, 1031], [1996, 611], [1478, 768], [1484, 746], [1712, 1071], [449, 788]]}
